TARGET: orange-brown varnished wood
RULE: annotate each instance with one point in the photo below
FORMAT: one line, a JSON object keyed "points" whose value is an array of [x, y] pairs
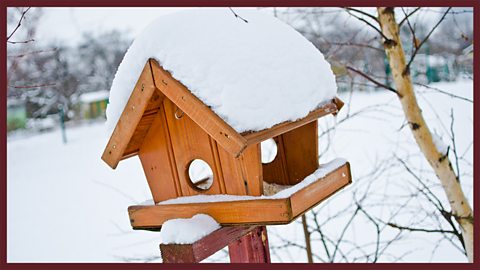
{"points": [[225, 213], [190, 142], [300, 149], [275, 171], [201, 114], [243, 175], [143, 126], [309, 197], [232, 173], [131, 116], [158, 164], [251, 169], [297, 156], [245, 212], [259, 136]]}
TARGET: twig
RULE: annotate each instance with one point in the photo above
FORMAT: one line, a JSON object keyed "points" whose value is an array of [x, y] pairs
{"points": [[371, 25], [30, 53], [444, 92], [454, 144], [237, 16], [31, 86], [418, 229], [407, 68], [414, 38], [357, 45], [372, 80], [363, 13], [18, 25], [407, 16], [18, 42]]}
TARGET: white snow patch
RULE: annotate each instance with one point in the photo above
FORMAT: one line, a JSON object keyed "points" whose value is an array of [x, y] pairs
{"points": [[269, 150], [312, 178], [439, 144], [254, 75], [94, 96], [187, 230]]}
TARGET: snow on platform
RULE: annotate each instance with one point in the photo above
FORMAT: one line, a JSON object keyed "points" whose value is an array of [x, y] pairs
{"points": [[285, 193], [253, 74], [187, 230]]}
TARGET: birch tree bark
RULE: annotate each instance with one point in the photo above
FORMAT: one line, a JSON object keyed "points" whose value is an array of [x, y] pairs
{"points": [[440, 162]]}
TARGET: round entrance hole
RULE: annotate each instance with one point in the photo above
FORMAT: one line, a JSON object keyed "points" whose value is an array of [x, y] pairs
{"points": [[269, 150], [200, 174]]}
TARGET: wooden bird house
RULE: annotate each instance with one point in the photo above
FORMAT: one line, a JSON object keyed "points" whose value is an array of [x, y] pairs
{"points": [[174, 133]]}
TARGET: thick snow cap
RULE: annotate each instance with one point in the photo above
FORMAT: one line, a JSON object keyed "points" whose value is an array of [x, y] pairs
{"points": [[252, 74]]}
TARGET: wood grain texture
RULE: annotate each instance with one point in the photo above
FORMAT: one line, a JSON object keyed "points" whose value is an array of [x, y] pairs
{"points": [[158, 162], [190, 142], [249, 212], [251, 248], [276, 171], [203, 248], [308, 197], [131, 116], [259, 136], [201, 114], [300, 148], [225, 213], [297, 156]]}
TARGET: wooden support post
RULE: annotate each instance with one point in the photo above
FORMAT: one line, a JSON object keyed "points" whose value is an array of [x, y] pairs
{"points": [[208, 245], [251, 248]]}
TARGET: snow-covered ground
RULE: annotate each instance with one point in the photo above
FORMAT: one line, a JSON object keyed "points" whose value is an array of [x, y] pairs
{"points": [[65, 205]]}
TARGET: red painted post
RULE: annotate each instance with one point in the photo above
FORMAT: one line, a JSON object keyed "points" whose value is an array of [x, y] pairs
{"points": [[251, 248]]}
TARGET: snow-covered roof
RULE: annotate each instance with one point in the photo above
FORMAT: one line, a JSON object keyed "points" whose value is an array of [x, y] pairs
{"points": [[252, 74], [94, 96]]}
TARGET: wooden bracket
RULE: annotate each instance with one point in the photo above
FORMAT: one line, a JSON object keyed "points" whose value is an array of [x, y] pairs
{"points": [[245, 243]]}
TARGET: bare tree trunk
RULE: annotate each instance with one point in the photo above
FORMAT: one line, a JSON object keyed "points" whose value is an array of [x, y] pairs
{"points": [[440, 162], [308, 244]]}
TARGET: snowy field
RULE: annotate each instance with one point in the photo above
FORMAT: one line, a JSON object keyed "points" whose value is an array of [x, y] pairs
{"points": [[65, 205]]}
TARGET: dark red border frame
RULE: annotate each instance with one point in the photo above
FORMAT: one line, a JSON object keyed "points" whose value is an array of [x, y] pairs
{"points": [[239, 3]]}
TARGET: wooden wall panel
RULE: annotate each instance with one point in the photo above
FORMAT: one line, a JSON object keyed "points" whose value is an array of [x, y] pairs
{"points": [[242, 175], [297, 156], [300, 148], [158, 164], [275, 171], [190, 142]]}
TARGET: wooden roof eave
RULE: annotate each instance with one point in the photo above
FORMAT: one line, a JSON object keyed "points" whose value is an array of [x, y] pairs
{"points": [[144, 102], [134, 121], [332, 107]]}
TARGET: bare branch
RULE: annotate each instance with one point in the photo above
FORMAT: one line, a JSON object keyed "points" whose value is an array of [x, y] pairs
{"points": [[19, 24], [372, 79], [237, 16], [444, 92], [32, 86], [363, 13], [18, 42], [452, 132], [407, 68], [407, 16], [369, 24], [393, 225]]}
